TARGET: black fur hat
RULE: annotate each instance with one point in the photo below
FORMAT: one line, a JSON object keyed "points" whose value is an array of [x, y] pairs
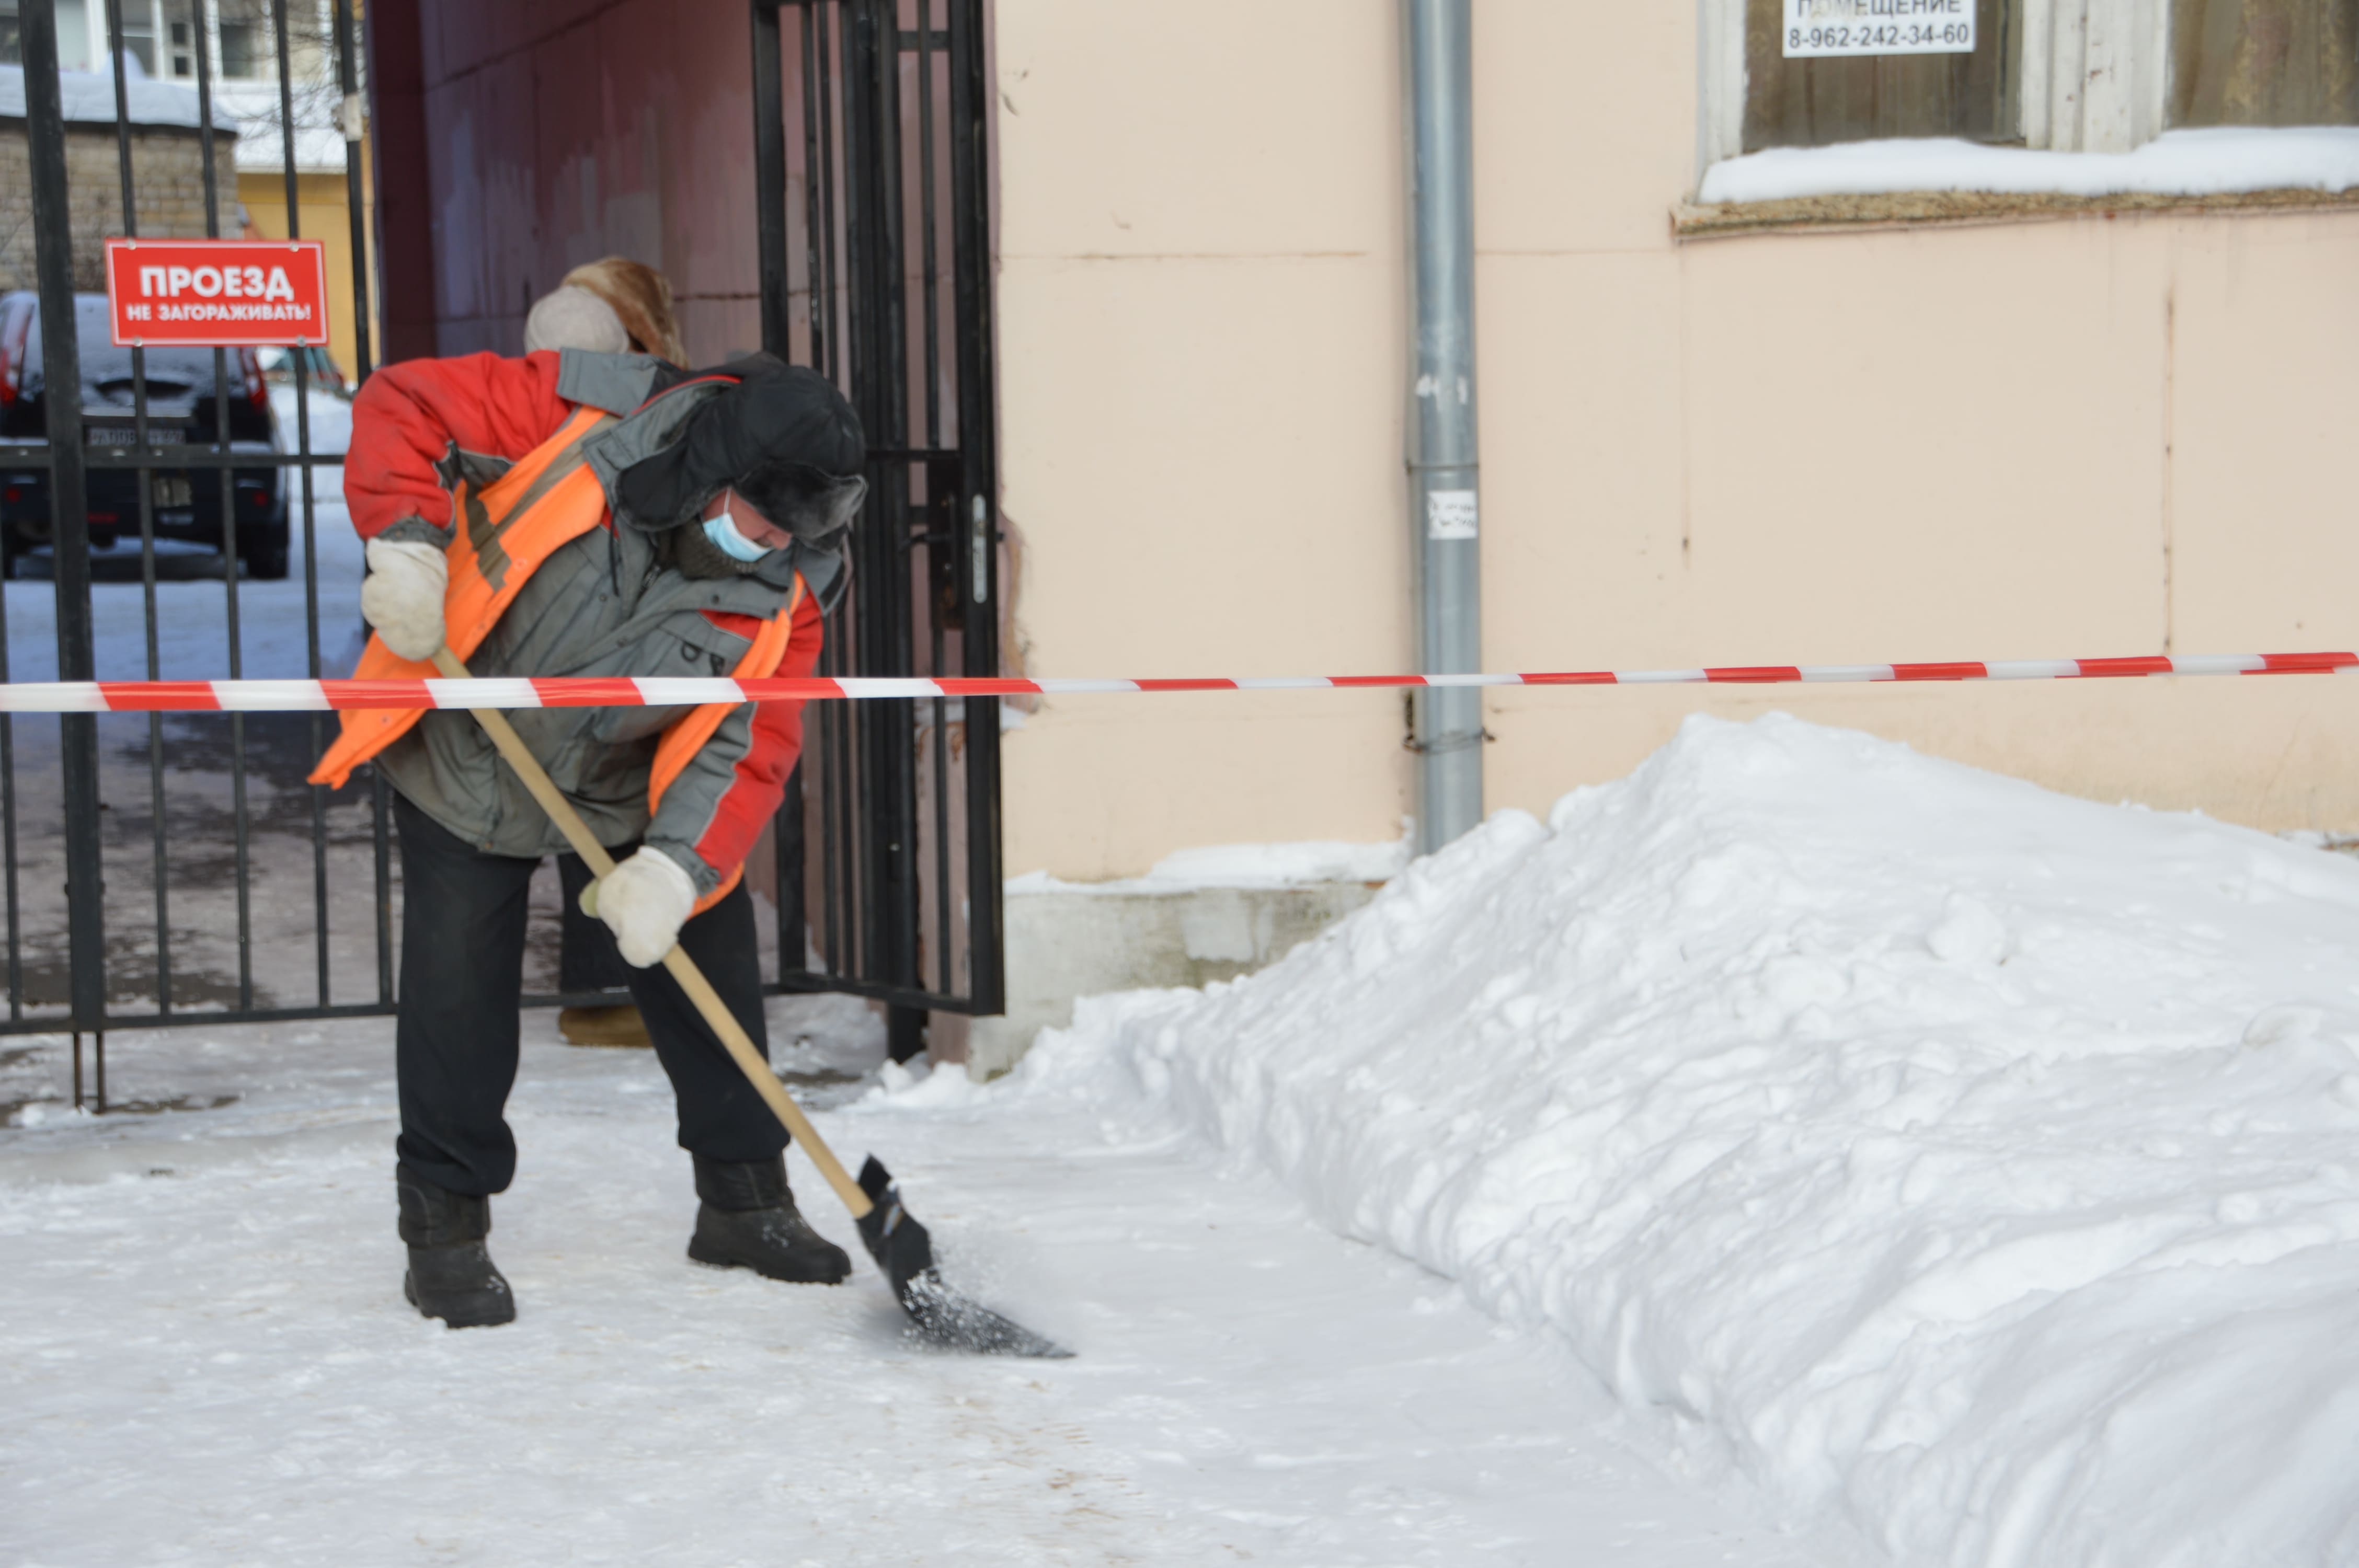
{"points": [[783, 438]]}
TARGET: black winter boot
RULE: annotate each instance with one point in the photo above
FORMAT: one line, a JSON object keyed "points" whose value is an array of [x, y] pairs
{"points": [[450, 1274], [747, 1219]]}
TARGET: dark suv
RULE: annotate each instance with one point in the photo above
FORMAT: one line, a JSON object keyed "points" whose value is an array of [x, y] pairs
{"points": [[180, 412]]}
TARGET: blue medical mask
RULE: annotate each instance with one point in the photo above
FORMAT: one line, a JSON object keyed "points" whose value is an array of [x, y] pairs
{"points": [[722, 531]]}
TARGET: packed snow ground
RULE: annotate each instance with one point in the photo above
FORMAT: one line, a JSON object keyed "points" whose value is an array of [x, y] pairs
{"points": [[205, 1359], [1959, 1162]]}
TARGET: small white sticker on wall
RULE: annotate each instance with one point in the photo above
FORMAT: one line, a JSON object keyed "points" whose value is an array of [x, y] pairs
{"points": [[1818, 28], [1449, 514]]}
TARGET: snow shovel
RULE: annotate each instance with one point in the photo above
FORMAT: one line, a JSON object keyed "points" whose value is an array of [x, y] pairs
{"points": [[894, 1239]]}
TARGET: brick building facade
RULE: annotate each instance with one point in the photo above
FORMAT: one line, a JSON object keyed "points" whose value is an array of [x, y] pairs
{"points": [[168, 186]]}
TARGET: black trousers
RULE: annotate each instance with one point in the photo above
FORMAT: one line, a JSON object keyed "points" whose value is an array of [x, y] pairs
{"points": [[463, 932], [587, 958]]}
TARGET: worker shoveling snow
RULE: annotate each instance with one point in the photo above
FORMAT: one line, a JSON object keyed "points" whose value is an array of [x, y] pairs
{"points": [[1960, 1161]]}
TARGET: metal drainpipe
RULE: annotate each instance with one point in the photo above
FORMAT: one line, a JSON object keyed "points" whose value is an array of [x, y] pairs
{"points": [[1442, 467]]}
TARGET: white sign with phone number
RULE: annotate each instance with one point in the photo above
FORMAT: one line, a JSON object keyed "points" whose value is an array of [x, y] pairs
{"points": [[1820, 27]]}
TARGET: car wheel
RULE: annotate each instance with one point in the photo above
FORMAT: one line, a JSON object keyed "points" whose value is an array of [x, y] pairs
{"points": [[268, 563]]}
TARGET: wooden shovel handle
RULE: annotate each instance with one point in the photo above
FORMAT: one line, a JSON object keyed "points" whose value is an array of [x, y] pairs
{"points": [[715, 1012]]}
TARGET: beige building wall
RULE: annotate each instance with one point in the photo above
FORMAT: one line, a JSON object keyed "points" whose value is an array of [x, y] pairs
{"points": [[2088, 434], [321, 206]]}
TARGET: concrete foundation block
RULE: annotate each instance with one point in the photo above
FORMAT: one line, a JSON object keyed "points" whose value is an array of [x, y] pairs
{"points": [[1065, 943]]}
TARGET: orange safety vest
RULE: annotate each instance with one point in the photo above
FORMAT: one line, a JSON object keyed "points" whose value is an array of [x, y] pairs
{"points": [[551, 497]]}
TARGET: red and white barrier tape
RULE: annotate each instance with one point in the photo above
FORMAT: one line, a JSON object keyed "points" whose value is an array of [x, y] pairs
{"points": [[667, 691]]}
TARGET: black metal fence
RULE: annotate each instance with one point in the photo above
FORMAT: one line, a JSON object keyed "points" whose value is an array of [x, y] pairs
{"points": [[178, 869], [169, 868], [871, 154]]}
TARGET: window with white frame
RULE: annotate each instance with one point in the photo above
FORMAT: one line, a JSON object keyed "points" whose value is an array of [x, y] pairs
{"points": [[159, 37], [243, 29], [139, 35], [181, 46], [2063, 75]]}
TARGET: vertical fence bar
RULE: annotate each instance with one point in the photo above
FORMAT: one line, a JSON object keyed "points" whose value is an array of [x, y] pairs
{"points": [[348, 82], [877, 542], [926, 223], [942, 505], [899, 730], [70, 519], [945, 982], [978, 449], [380, 831], [144, 482], [8, 827], [847, 929], [301, 358], [770, 175], [882, 352], [777, 314], [153, 634], [381, 843], [786, 873], [243, 855], [831, 74], [814, 290]]}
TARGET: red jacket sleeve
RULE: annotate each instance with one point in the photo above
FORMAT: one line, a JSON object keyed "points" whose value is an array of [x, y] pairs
{"points": [[759, 783], [410, 416]]}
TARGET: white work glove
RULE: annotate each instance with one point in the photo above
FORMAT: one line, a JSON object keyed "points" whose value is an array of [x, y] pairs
{"points": [[645, 901], [402, 595]]}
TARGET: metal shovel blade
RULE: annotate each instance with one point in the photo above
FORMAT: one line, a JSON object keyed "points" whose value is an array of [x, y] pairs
{"points": [[943, 1317]]}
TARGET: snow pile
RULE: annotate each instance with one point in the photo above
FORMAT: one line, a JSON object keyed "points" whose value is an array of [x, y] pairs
{"points": [[2176, 163], [1959, 1160]]}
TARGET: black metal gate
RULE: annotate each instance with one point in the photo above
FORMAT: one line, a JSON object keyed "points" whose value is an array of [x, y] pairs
{"points": [[178, 869], [871, 155]]}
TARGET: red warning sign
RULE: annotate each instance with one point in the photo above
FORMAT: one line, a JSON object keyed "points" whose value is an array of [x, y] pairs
{"points": [[217, 293]]}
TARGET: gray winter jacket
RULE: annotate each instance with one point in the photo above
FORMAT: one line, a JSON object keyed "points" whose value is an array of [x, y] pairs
{"points": [[604, 605]]}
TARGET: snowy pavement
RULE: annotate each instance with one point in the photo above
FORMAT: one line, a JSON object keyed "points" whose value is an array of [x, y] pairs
{"points": [[205, 1357]]}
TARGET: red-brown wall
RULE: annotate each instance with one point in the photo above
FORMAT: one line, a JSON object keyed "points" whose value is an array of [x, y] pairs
{"points": [[530, 136]]}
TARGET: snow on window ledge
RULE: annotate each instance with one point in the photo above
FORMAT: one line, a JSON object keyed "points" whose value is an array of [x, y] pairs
{"points": [[1947, 179]]}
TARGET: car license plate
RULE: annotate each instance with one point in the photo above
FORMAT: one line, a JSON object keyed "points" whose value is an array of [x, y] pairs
{"points": [[171, 489], [110, 435]]}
